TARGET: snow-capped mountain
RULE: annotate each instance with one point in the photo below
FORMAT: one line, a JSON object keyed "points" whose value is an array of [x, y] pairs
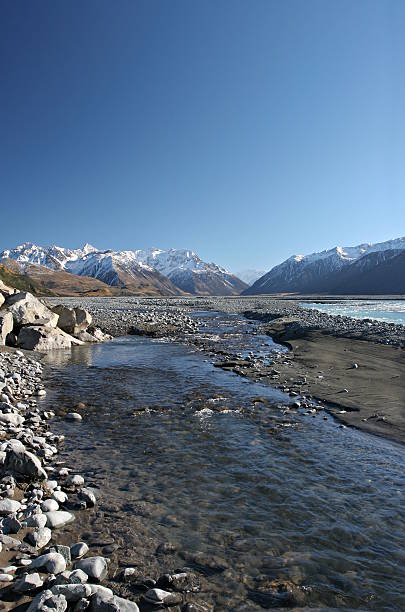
{"points": [[322, 271], [53, 257], [249, 276], [179, 267]]}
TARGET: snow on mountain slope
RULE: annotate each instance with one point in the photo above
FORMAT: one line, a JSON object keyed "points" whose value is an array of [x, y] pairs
{"points": [[53, 257], [181, 266], [312, 273], [249, 276]]}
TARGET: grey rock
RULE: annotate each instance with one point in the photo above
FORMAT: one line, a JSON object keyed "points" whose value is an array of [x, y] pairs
{"points": [[79, 550], [11, 418], [39, 338], [9, 506], [49, 505], [28, 310], [158, 596], [95, 567], [10, 525], [48, 602], [21, 462], [29, 582], [125, 605], [6, 324], [53, 563], [88, 497], [64, 551], [40, 537], [58, 518], [72, 592], [37, 520]]}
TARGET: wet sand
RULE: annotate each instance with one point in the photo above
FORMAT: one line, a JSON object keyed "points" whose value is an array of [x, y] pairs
{"points": [[375, 397]]}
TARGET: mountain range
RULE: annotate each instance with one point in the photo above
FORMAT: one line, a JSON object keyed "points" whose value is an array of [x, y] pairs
{"points": [[148, 271], [363, 269]]}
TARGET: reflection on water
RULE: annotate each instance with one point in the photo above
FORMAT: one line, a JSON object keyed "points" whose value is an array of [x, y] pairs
{"points": [[183, 455]]}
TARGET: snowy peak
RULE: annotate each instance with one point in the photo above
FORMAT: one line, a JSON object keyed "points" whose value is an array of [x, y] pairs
{"points": [[315, 272], [183, 267]]}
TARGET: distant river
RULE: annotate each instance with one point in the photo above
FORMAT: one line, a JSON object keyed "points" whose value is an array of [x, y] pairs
{"points": [[391, 311]]}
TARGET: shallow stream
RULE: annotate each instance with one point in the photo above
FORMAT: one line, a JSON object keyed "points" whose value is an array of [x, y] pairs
{"points": [[212, 466]]}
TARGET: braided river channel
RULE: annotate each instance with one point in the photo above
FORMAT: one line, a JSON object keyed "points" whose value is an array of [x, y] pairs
{"points": [[197, 467]]}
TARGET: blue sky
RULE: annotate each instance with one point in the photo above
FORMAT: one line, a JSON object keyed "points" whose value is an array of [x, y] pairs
{"points": [[245, 130]]}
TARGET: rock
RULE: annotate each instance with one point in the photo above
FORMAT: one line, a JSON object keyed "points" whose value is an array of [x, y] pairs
{"points": [[84, 336], [6, 577], [78, 577], [38, 338], [79, 550], [29, 582], [181, 582], [37, 521], [158, 596], [28, 310], [11, 418], [88, 497], [72, 592], [58, 518], [40, 537], [125, 605], [52, 562], [9, 506], [48, 602], [94, 567], [22, 463], [62, 550], [73, 416], [75, 480], [10, 525], [83, 320], [5, 290], [98, 588], [49, 505], [102, 602], [72, 320], [60, 497], [6, 324]]}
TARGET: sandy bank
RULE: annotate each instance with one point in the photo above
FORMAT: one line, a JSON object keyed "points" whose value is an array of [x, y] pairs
{"points": [[373, 394]]}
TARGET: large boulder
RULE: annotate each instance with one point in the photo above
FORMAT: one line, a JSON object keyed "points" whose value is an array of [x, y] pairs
{"points": [[21, 463], [72, 320], [6, 325], [28, 310], [39, 338]]}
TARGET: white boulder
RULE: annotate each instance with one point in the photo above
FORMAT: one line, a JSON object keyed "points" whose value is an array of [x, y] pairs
{"points": [[28, 310]]}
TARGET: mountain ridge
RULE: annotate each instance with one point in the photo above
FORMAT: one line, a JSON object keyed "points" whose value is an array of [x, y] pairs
{"points": [[177, 271], [319, 272]]}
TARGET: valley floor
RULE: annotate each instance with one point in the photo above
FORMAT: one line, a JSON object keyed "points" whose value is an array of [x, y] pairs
{"points": [[324, 351]]}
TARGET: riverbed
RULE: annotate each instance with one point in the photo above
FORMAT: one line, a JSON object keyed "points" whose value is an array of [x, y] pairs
{"points": [[198, 467]]}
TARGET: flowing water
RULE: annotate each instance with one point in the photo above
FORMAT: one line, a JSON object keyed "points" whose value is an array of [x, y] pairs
{"points": [[273, 508], [390, 311]]}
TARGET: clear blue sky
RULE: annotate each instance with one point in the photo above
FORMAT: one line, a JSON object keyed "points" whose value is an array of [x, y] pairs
{"points": [[245, 130]]}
